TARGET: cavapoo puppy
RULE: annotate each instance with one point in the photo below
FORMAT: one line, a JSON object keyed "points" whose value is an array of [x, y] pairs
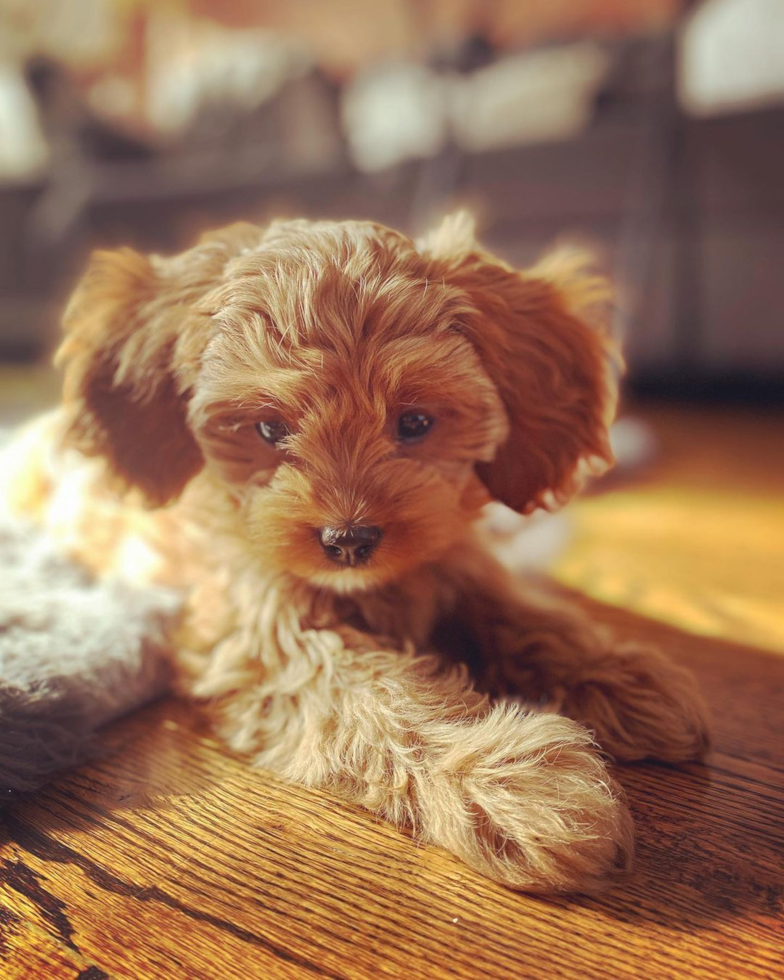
{"points": [[300, 426]]}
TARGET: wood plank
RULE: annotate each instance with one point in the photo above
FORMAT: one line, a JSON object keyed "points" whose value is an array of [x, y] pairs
{"points": [[28, 951], [697, 537]]}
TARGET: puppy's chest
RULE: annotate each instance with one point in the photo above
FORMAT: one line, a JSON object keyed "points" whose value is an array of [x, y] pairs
{"points": [[439, 629], [417, 613], [457, 640]]}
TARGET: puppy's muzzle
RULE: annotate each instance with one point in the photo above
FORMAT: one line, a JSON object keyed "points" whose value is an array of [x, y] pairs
{"points": [[349, 546]]}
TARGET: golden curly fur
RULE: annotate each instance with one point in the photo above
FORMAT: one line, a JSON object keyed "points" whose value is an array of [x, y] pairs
{"points": [[344, 676]]}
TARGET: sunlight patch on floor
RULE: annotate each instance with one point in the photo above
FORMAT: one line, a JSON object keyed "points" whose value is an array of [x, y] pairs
{"points": [[708, 561]]}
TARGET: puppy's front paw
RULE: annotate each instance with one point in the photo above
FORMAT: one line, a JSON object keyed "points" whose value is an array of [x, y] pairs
{"points": [[526, 800], [640, 705]]}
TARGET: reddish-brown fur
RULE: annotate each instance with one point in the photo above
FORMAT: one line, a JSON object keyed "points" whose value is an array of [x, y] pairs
{"points": [[325, 673]]}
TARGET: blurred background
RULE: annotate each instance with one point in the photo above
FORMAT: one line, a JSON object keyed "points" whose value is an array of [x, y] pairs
{"points": [[653, 129]]}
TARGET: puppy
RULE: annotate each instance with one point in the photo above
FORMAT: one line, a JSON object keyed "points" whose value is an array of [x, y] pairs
{"points": [[299, 427]]}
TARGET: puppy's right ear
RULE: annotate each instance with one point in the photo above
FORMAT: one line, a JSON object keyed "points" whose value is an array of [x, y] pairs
{"points": [[122, 393], [543, 337]]}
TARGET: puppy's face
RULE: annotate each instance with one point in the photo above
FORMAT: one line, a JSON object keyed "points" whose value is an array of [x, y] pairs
{"points": [[343, 406], [358, 397]]}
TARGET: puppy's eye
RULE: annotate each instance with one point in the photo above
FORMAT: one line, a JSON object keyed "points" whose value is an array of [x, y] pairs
{"points": [[413, 426], [273, 431]]}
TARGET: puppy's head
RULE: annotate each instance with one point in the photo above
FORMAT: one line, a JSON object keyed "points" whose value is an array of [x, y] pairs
{"points": [[358, 396]]}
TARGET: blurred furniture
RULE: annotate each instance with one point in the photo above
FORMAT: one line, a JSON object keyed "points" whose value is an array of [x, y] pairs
{"points": [[688, 211]]}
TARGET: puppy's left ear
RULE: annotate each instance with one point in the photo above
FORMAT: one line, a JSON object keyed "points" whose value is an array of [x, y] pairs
{"points": [[543, 339]]}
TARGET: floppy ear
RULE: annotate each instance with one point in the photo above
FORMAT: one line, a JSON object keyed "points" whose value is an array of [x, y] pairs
{"points": [[120, 393], [542, 339], [134, 337]]}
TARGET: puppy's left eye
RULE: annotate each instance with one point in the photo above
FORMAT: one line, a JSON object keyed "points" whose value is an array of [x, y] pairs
{"points": [[413, 426], [273, 431]]}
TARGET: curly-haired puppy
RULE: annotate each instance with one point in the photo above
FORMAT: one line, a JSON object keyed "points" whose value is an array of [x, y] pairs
{"points": [[300, 426]]}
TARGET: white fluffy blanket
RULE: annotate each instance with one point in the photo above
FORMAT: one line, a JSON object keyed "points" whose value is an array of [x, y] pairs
{"points": [[74, 654]]}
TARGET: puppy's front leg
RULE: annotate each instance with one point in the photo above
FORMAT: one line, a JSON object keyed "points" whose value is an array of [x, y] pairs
{"points": [[523, 798], [637, 702]]}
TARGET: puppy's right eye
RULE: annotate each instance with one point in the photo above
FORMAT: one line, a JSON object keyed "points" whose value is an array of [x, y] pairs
{"points": [[273, 431]]}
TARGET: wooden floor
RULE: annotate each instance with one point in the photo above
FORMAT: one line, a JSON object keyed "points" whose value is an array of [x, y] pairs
{"points": [[168, 858]]}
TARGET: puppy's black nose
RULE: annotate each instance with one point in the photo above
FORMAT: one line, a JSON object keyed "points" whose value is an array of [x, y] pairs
{"points": [[349, 546]]}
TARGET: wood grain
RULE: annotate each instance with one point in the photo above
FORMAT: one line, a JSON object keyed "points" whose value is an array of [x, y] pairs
{"points": [[168, 857], [697, 538]]}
